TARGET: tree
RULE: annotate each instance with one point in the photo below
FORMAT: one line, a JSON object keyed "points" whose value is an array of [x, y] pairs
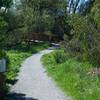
{"points": [[95, 13], [44, 15], [4, 4]]}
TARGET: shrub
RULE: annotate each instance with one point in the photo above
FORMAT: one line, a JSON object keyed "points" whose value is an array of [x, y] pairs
{"points": [[60, 57], [74, 45], [2, 54], [94, 57]]}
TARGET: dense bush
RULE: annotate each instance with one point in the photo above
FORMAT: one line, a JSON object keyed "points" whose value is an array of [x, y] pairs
{"points": [[94, 57], [15, 59], [2, 54], [60, 57]]}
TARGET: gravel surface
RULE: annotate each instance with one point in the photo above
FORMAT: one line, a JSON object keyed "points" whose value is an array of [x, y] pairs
{"points": [[33, 82]]}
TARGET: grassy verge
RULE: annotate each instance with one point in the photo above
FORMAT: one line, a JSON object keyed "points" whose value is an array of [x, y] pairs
{"points": [[15, 59], [72, 76]]}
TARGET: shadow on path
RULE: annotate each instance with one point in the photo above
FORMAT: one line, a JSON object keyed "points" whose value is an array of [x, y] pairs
{"points": [[19, 96], [12, 82]]}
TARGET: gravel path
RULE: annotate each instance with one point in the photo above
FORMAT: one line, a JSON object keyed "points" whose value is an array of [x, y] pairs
{"points": [[33, 82]]}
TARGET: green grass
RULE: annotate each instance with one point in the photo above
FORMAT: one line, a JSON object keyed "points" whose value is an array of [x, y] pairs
{"points": [[15, 60], [72, 76]]}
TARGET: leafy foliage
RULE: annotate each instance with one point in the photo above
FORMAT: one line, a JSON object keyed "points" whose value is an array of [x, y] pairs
{"points": [[2, 54], [44, 16], [77, 22], [5, 3]]}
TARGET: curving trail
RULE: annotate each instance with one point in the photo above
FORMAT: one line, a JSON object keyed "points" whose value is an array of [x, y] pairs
{"points": [[33, 82]]}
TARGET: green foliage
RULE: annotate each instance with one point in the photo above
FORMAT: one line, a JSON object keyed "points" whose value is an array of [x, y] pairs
{"points": [[3, 23], [84, 37], [15, 59], [2, 54], [5, 3], [81, 30], [78, 23], [42, 15], [72, 76], [95, 13], [81, 39], [60, 57], [94, 57]]}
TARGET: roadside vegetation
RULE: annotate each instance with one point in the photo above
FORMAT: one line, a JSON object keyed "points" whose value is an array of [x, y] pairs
{"points": [[74, 77], [73, 23]]}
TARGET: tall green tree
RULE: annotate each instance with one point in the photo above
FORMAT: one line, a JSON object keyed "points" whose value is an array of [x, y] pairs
{"points": [[4, 5], [44, 13]]}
